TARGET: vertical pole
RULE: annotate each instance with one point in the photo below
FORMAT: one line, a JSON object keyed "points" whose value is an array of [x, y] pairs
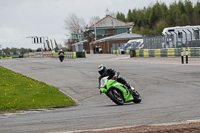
{"points": [[95, 32], [186, 55], [182, 57]]}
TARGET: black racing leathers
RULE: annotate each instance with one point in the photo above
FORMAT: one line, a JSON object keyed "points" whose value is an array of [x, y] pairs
{"points": [[111, 73], [61, 53]]}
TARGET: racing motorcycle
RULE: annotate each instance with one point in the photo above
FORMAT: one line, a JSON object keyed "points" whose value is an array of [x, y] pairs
{"points": [[118, 92], [61, 57]]}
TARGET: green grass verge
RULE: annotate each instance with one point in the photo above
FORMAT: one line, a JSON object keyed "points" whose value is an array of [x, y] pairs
{"points": [[18, 92]]}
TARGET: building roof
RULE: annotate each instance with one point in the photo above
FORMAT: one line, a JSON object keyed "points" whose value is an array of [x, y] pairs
{"points": [[123, 36], [110, 21], [81, 42]]}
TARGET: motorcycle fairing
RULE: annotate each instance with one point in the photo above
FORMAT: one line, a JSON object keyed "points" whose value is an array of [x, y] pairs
{"points": [[114, 84]]}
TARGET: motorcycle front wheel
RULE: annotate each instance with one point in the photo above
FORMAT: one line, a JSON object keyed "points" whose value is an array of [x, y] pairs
{"points": [[116, 96], [137, 97]]}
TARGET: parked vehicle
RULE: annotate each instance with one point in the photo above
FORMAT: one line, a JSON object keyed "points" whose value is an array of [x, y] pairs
{"points": [[118, 92], [134, 44], [176, 36]]}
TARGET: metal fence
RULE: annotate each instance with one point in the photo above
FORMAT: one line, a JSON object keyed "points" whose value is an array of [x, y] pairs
{"points": [[182, 38]]}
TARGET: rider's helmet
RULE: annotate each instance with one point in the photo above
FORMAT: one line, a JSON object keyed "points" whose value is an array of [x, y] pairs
{"points": [[102, 70]]}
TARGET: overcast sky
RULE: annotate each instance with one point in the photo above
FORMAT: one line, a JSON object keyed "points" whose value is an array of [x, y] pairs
{"points": [[22, 18]]}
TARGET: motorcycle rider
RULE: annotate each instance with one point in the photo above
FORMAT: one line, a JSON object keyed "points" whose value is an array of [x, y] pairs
{"points": [[61, 53], [103, 71]]}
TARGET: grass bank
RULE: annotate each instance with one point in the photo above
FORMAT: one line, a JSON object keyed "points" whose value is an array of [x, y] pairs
{"points": [[18, 92]]}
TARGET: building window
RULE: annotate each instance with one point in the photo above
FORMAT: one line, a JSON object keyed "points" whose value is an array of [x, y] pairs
{"points": [[74, 36], [77, 36], [101, 32], [120, 30]]}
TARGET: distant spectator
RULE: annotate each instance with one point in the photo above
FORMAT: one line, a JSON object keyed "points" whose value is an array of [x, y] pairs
{"points": [[97, 49], [53, 51]]}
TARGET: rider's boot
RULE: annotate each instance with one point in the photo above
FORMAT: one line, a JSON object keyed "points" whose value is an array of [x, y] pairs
{"points": [[129, 88]]}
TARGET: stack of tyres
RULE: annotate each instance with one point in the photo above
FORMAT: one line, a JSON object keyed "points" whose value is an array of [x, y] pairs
{"points": [[133, 53], [141, 53], [189, 52], [127, 51], [151, 52], [145, 53], [80, 54], [194, 52], [157, 52], [164, 53], [178, 52], [137, 54], [171, 52]]}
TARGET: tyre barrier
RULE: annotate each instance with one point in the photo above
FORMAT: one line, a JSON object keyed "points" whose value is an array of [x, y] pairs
{"points": [[171, 52], [80, 54], [117, 52], [70, 55]]}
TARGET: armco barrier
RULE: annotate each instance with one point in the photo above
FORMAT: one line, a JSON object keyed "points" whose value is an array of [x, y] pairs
{"points": [[172, 52]]}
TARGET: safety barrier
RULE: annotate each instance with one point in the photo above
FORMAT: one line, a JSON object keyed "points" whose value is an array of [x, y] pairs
{"points": [[6, 58], [80, 54], [25, 55], [71, 55], [117, 52], [171, 52]]}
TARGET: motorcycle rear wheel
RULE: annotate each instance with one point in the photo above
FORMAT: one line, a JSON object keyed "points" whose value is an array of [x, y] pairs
{"points": [[116, 96]]}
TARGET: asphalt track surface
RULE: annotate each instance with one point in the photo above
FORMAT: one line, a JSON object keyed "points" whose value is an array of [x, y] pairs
{"points": [[170, 92]]}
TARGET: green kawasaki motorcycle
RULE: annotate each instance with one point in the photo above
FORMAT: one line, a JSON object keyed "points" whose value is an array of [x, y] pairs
{"points": [[118, 92]]}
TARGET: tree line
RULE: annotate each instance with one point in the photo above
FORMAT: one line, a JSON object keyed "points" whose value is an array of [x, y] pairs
{"points": [[14, 51], [154, 19]]}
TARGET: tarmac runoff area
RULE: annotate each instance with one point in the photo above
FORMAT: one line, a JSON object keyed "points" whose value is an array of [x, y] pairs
{"points": [[170, 92]]}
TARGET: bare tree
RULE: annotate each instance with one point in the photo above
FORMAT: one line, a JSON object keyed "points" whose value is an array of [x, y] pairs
{"points": [[74, 24], [113, 14], [94, 20]]}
